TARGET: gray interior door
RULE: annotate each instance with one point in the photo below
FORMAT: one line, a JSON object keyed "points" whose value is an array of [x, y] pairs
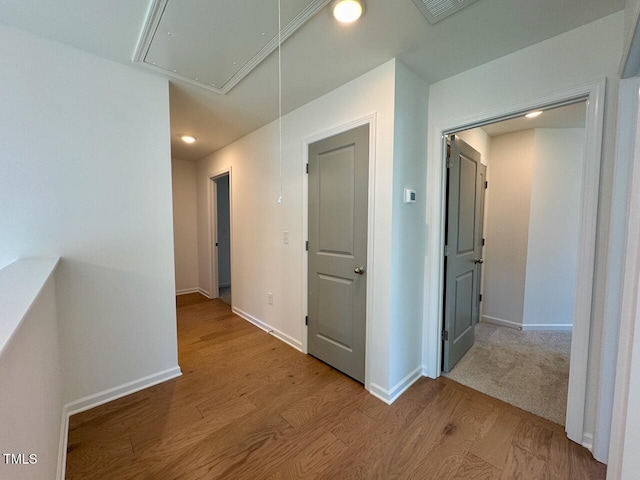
{"points": [[223, 231], [463, 256], [338, 192]]}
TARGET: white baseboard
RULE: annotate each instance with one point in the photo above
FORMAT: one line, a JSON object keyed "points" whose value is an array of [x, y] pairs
{"points": [[186, 291], [289, 340], [100, 398], [501, 322], [111, 394], [542, 326], [62, 445], [391, 395], [587, 441], [204, 292]]}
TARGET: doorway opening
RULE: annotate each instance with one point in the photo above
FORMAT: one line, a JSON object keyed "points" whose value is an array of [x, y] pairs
{"points": [[513, 202], [221, 237]]}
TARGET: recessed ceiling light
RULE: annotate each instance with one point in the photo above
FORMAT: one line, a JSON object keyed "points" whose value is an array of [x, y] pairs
{"points": [[188, 138], [534, 114], [347, 11]]}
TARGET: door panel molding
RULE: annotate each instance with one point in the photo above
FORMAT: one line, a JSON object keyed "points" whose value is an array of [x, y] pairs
{"points": [[462, 277], [338, 174], [594, 93], [370, 120]]}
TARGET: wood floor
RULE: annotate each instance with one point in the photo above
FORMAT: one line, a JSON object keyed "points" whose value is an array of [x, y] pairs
{"points": [[250, 407]]}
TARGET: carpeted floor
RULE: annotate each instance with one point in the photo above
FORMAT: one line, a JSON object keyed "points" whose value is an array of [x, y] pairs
{"points": [[225, 295], [528, 369]]}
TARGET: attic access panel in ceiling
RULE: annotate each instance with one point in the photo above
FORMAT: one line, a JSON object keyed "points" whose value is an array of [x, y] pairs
{"points": [[436, 10], [214, 44]]}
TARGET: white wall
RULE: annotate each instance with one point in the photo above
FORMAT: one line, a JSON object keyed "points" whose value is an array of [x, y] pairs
{"points": [[185, 226], [408, 240], [586, 54], [552, 253], [507, 214], [86, 175], [223, 230], [261, 263], [31, 393], [479, 140]]}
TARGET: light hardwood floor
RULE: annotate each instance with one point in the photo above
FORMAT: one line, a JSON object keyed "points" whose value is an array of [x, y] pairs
{"points": [[250, 407]]}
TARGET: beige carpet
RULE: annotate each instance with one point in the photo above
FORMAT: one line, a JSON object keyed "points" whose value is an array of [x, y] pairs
{"points": [[527, 369]]}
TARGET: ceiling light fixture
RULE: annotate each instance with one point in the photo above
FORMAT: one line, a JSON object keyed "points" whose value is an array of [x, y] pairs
{"points": [[534, 114], [188, 138], [347, 11]]}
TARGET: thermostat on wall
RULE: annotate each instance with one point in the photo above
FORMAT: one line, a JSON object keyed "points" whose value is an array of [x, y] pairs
{"points": [[409, 196]]}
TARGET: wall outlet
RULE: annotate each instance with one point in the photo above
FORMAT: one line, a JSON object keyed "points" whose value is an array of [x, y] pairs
{"points": [[270, 298], [285, 237]]}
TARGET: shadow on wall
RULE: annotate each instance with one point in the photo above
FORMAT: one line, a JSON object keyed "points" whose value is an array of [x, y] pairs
{"points": [[114, 327]]}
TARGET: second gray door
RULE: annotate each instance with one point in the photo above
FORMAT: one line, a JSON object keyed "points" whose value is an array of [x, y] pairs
{"points": [[338, 200], [463, 258]]}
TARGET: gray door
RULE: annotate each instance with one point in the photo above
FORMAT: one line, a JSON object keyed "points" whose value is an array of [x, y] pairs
{"points": [[338, 191], [463, 256], [223, 231]]}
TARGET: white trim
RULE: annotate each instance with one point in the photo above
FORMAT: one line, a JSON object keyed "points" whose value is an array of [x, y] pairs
{"points": [[630, 309], [152, 20], [100, 398], [186, 291], [595, 94], [371, 120], [280, 335], [501, 322], [541, 326], [214, 288], [627, 121], [62, 445], [106, 396], [391, 395], [587, 441], [205, 293]]}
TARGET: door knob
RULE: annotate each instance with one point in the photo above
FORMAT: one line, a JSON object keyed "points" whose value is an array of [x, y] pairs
{"points": [[478, 260], [359, 270]]}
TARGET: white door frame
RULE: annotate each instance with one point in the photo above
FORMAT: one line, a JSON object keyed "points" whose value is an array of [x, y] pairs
{"points": [[624, 419], [594, 93], [371, 121], [213, 229]]}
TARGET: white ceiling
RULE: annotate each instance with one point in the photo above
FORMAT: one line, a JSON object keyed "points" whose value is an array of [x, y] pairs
{"points": [[569, 116], [201, 46], [319, 57]]}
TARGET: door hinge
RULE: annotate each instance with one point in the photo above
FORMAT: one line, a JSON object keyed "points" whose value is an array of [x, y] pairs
{"points": [[480, 299], [306, 245], [307, 168], [449, 163], [486, 184], [445, 335], [446, 250], [306, 320]]}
